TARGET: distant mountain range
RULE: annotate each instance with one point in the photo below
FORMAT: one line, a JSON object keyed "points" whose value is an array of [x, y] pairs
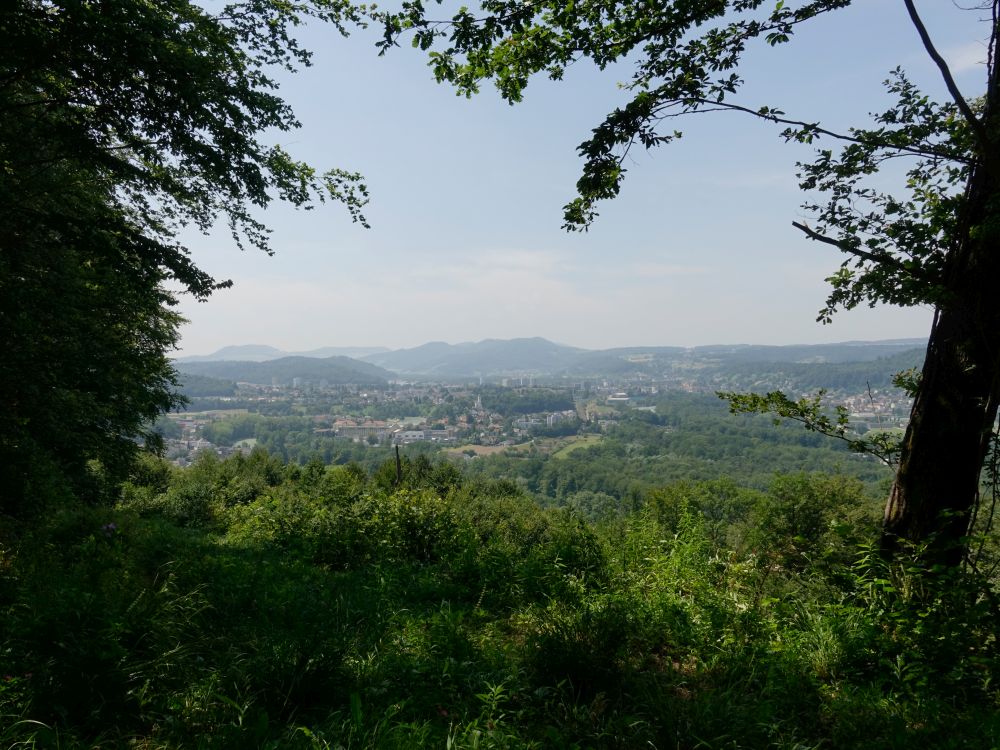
{"points": [[537, 356], [515, 357]]}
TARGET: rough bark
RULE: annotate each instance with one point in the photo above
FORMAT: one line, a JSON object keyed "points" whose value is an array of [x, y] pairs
{"points": [[937, 483], [955, 408]]}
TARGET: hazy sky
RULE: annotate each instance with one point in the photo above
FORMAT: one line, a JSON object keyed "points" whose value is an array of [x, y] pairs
{"points": [[466, 204]]}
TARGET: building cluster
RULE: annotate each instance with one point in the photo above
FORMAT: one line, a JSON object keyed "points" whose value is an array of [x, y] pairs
{"points": [[397, 432], [877, 410], [402, 413], [188, 443]]}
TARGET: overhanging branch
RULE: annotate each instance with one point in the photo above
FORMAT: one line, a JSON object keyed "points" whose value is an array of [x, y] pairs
{"points": [[883, 260]]}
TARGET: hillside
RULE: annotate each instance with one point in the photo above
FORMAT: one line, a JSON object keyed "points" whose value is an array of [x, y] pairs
{"points": [[848, 351], [489, 357], [797, 376], [263, 353], [333, 370], [199, 386], [539, 357]]}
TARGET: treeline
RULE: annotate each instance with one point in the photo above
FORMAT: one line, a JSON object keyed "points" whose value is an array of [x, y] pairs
{"points": [[688, 437], [290, 439]]}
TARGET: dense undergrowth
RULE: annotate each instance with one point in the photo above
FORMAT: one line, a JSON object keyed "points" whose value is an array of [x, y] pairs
{"points": [[248, 603]]}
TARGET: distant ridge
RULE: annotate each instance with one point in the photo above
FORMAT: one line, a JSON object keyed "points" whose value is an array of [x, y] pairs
{"points": [[848, 351], [531, 357], [263, 353], [284, 370], [538, 356], [355, 352], [487, 357], [242, 353]]}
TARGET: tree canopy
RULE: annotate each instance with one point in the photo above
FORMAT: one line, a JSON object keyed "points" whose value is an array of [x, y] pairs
{"points": [[123, 123]]}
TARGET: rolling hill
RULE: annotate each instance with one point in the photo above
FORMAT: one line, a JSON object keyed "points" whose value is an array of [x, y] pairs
{"points": [[489, 357], [535, 357], [333, 370], [264, 353]]}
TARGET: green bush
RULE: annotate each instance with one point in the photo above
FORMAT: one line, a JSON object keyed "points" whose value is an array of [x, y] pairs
{"points": [[320, 610]]}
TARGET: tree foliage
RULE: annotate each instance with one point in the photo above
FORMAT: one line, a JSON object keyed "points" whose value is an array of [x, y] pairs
{"points": [[814, 415], [121, 124]]}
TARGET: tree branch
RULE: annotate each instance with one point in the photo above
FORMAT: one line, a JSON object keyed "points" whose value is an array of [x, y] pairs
{"points": [[974, 122], [717, 106], [864, 254]]}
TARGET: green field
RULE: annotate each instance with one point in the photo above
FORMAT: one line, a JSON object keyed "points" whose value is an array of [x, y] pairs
{"points": [[576, 443]]}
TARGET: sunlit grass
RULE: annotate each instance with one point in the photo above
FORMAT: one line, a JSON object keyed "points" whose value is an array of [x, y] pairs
{"points": [[576, 443]]}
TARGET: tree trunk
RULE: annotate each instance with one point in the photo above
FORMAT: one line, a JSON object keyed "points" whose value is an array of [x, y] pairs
{"points": [[937, 483], [955, 408]]}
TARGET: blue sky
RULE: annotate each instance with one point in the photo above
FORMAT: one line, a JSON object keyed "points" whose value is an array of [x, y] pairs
{"points": [[466, 204]]}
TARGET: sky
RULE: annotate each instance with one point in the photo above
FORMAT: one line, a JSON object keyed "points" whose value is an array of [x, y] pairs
{"points": [[466, 204]]}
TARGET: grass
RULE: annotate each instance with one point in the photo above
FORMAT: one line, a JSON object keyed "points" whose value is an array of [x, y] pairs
{"points": [[576, 443]]}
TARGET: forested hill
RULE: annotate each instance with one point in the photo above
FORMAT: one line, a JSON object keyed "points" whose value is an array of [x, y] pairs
{"points": [[333, 370], [263, 353], [847, 351], [488, 357], [537, 356], [542, 358], [798, 376], [199, 386]]}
